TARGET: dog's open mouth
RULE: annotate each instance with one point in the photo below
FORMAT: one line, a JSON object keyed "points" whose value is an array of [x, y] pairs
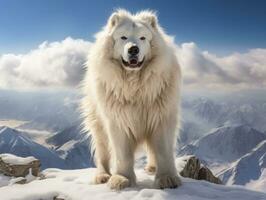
{"points": [[132, 62]]}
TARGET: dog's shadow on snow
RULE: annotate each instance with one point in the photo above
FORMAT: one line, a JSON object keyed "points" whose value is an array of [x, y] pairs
{"points": [[144, 184], [144, 181], [141, 185]]}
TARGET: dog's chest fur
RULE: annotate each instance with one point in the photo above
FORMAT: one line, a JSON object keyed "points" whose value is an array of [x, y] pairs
{"points": [[137, 103]]}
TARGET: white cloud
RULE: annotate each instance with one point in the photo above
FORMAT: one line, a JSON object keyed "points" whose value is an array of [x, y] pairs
{"points": [[60, 64], [55, 64], [203, 70]]}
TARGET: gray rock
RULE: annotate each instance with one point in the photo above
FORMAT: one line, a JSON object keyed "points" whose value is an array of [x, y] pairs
{"points": [[191, 169], [194, 170], [206, 174], [19, 170], [58, 198]]}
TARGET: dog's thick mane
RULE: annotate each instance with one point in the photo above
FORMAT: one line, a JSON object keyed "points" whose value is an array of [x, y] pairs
{"points": [[129, 86]]}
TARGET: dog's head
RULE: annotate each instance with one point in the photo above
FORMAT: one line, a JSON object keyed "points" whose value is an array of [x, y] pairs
{"points": [[132, 36]]}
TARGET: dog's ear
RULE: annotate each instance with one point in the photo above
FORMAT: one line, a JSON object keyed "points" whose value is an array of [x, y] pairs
{"points": [[113, 20], [150, 18], [153, 21]]}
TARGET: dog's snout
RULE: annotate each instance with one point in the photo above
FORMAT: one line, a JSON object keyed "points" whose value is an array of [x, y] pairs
{"points": [[134, 50]]}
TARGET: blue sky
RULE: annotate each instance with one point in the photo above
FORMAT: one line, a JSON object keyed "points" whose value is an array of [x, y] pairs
{"points": [[219, 26]]}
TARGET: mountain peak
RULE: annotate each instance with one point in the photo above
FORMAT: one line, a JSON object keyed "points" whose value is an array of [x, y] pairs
{"points": [[226, 143], [10, 135], [15, 142]]}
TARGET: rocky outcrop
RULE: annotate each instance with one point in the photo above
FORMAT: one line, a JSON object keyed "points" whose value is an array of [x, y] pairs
{"points": [[195, 170], [206, 174], [191, 168], [14, 166]]}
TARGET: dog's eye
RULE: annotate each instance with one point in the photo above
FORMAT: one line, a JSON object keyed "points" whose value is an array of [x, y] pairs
{"points": [[142, 38], [123, 38]]}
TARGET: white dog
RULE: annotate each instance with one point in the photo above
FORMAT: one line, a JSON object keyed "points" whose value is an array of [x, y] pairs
{"points": [[131, 91]]}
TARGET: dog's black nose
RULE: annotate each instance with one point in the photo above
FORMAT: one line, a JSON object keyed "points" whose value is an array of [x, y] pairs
{"points": [[134, 50]]}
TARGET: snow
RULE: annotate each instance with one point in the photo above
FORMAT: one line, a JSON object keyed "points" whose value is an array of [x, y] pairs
{"points": [[15, 180], [15, 160], [30, 177], [7, 180], [260, 184], [4, 180], [77, 185]]}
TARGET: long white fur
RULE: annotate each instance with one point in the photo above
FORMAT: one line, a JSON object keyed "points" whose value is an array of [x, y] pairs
{"points": [[124, 108]]}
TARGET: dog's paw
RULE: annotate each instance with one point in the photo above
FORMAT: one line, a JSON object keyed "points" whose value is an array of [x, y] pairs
{"points": [[101, 178], [149, 169], [167, 181], [118, 182]]}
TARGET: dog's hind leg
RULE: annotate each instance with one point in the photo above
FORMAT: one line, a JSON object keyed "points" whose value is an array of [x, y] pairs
{"points": [[150, 168]]}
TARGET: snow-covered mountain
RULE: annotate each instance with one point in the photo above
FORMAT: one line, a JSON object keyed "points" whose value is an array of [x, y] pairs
{"points": [[225, 144], [206, 109], [248, 167], [73, 146], [64, 136], [217, 113], [191, 131], [14, 142]]}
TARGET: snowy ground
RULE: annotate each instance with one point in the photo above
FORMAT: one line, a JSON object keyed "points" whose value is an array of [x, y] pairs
{"points": [[76, 185]]}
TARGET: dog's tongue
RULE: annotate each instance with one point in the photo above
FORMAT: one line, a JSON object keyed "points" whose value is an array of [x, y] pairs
{"points": [[133, 61]]}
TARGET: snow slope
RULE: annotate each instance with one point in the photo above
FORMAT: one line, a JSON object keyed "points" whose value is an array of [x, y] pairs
{"points": [[247, 168], [76, 185]]}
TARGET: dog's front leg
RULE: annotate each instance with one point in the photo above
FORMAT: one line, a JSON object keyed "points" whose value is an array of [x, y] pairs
{"points": [[162, 144], [122, 153]]}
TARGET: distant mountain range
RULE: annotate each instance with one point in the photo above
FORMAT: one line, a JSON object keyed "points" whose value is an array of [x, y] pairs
{"points": [[55, 111], [201, 115], [48, 111], [14, 142], [70, 150], [225, 144], [219, 113]]}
